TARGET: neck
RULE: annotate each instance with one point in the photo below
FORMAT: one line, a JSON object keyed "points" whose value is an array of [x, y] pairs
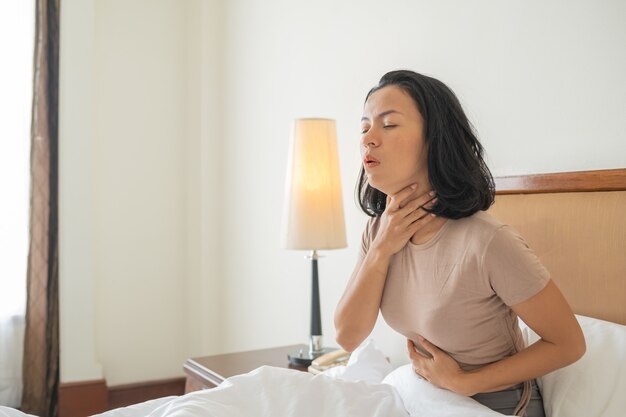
{"points": [[423, 185], [429, 231]]}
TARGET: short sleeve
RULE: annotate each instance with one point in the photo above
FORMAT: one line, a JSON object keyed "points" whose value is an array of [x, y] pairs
{"points": [[514, 271], [369, 233]]}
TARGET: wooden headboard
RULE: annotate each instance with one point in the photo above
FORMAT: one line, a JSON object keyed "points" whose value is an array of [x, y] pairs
{"points": [[576, 223]]}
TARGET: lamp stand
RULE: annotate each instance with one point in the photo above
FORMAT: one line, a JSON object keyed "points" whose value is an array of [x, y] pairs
{"points": [[316, 349]]}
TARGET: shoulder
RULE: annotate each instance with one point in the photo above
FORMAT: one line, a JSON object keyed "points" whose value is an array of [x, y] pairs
{"points": [[514, 271], [482, 220], [479, 227], [492, 235]]}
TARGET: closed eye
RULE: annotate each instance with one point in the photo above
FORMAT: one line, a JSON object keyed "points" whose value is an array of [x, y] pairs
{"points": [[389, 126]]}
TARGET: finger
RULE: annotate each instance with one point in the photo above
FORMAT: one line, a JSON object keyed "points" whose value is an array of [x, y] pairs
{"points": [[426, 197], [421, 221], [430, 203], [401, 196], [410, 347], [429, 347], [418, 212], [427, 200], [409, 221], [414, 354], [423, 202]]}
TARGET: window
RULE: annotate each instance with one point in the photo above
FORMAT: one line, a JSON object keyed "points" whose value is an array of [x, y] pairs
{"points": [[17, 40], [17, 26]]}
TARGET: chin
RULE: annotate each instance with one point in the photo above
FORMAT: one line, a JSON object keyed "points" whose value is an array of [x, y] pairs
{"points": [[380, 186], [392, 187], [386, 186]]}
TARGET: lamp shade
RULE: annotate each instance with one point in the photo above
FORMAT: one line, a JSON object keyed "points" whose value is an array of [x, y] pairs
{"points": [[313, 207]]}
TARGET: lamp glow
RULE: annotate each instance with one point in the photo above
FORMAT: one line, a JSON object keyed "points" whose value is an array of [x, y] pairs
{"points": [[313, 209]]}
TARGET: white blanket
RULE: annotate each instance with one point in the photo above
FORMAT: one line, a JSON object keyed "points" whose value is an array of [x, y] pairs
{"points": [[354, 390], [269, 391], [279, 392], [365, 387]]}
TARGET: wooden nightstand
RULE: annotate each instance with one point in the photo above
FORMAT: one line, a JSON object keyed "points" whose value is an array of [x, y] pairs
{"points": [[210, 371]]}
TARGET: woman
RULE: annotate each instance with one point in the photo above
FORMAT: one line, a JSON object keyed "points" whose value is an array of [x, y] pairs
{"points": [[443, 273]]}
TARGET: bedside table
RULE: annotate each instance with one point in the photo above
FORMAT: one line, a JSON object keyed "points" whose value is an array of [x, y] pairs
{"points": [[210, 371]]}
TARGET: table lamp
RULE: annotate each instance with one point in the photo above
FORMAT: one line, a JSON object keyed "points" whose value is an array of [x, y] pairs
{"points": [[313, 210]]}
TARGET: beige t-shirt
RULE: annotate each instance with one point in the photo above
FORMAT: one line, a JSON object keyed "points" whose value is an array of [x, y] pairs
{"points": [[456, 290]]}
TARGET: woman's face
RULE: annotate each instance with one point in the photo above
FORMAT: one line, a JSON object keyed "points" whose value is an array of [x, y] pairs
{"points": [[393, 146]]}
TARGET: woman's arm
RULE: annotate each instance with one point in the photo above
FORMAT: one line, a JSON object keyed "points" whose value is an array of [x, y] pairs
{"points": [[357, 310], [561, 343]]}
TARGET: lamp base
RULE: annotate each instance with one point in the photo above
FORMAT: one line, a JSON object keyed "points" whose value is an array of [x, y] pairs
{"points": [[304, 358]]}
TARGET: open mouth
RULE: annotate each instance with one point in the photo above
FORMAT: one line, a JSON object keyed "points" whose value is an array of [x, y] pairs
{"points": [[370, 162]]}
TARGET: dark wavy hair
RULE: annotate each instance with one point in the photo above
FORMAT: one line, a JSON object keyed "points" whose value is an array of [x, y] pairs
{"points": [[456, 169]]}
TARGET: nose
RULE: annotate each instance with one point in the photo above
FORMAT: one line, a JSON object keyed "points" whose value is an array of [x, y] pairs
{"points": [[369, 140]]}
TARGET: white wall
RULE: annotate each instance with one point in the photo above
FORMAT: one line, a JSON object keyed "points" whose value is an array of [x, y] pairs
{"points": [[140, 180], [76, 135], [138, 264], [174, 132], [542, 81]]}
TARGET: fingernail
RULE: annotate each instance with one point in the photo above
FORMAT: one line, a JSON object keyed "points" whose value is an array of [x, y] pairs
{"points": [[432, 193], [413, 186], [433, 214]]}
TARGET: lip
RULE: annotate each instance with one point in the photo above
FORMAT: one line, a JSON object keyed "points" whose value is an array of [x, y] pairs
{"points": [[370, 162]]}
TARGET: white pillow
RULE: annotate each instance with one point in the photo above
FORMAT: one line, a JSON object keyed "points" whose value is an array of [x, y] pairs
{"points": [[421, 398], [367, 363], [595, 385]]}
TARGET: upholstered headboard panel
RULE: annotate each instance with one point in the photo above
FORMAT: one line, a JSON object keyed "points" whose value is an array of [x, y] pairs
{"points": [[578, 232]]}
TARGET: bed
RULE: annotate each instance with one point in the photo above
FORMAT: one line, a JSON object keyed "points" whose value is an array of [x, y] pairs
{"points": [[575, 222]]}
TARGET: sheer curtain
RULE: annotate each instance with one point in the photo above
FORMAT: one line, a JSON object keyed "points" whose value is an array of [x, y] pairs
{"points": [[40, 368], [16, 43]]}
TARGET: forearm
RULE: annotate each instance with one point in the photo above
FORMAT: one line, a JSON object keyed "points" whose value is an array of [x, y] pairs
{"points": [[357, 309], [537, 360]]}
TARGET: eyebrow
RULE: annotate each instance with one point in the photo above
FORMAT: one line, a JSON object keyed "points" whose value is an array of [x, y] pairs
{"points": [[383, 114]]}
